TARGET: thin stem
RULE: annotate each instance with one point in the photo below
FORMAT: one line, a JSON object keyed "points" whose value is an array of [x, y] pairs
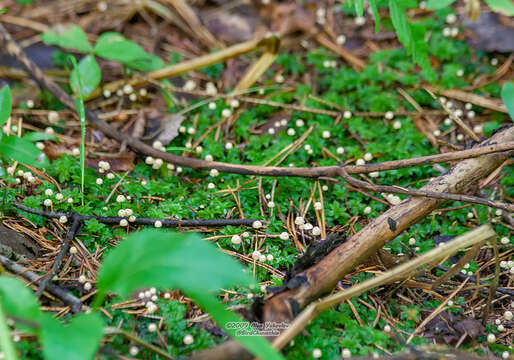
{"points": [[6, 344], [115, 331]]}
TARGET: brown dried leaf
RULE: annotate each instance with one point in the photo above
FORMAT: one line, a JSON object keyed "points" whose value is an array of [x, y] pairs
{"points": [[169, 127]]}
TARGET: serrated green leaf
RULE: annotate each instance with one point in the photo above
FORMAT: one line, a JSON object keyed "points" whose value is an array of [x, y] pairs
{"points": [[163, 258], [5, 104], [505, 7], [71, 38], [19, 301], [37, 136], [508, 97], [257, 345], [77, 340], [113, 46], [438, 4], [376, 15], [21, 150], [90, 76]]}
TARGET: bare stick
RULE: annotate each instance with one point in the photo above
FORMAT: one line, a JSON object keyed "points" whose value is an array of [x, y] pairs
{"points": [[70, 235], [402, 271], [115, 220], [63, 295]]}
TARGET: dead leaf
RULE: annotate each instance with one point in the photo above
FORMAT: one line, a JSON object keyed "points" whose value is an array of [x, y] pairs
{"points": [[17, 246], [169, 127], [472, 327], [490, 34]]}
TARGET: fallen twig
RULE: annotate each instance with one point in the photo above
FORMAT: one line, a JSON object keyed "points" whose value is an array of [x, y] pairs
{"points": [[60, 293], [115, 220], [70, 235]]}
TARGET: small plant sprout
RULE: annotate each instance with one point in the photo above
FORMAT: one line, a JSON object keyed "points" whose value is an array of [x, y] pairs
{"points": [[157, 223], [73, 250], [397, 125], [63, 219], [257, 224], [236, 239], [491, 338], [318, 206], [316, 353], [284, 236], [389, 115], [214, 172], [47, 202], [367, 210]]}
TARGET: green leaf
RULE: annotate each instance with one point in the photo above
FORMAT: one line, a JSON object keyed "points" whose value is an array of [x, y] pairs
{"points": [[19, 301], [502, 6], [71, 38], [89, 73], [163, 258], [359, 7], [376, 15], [5, 104], [38, 136], [113, 46], [400, 23], [257, 345], [21, 150], [438, 4], [508, 97], [78, 340]]}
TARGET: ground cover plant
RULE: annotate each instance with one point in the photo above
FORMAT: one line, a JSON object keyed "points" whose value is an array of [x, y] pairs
{"points": [[191, 180]]}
